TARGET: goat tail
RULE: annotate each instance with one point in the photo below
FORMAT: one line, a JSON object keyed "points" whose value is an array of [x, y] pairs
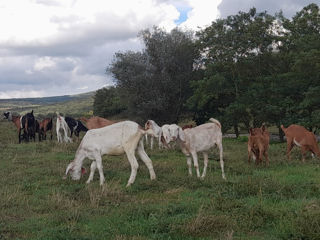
{"points": [[215, 121], [283, 128]]}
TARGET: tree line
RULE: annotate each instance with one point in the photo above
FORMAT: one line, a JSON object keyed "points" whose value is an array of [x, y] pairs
{"points": [[245, 70]]}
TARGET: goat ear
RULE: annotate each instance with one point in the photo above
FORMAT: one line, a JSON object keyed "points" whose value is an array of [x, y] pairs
{"points": [[182, 135], [263, 127], [146, 126], [251, 131], [69, 168]]}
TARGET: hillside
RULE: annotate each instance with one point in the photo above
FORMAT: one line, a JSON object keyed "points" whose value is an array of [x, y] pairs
{"points": [[73, 105]]}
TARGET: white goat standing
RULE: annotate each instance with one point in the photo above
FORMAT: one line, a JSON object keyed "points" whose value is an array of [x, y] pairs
{"points": [[166, 133], [197, 139], [157, 131], [116, 139], [63, 126]]}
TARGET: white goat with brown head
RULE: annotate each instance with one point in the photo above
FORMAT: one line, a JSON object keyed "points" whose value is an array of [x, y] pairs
{"points": [[116, 139], [150, 124], [198, 139]]}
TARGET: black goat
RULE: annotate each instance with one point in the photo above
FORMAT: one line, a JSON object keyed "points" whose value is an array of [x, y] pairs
{"points": [[29, 125], [75, 126]]}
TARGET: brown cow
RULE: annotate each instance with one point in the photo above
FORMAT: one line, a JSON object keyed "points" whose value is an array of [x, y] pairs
{"points": [[258, 144], [301, 137], [96, 122]]}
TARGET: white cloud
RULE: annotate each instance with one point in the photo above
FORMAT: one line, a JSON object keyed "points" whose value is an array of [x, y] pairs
{"points": [[83, 88], [202, 13], [21, 94], [28, 71], [36, 21], [58, 47], [44, 62], [289, 7]]}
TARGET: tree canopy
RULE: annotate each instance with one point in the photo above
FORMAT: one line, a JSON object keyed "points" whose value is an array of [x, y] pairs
{"points": [[245, 70], [154, 83]]}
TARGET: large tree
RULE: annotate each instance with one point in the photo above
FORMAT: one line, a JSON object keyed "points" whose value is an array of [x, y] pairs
{"points": [[260, 68], [235, 54], [155, 83], [299, 81], [108, 102]]}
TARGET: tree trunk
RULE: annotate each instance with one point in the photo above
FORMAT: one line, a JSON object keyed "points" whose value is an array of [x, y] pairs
{"points": [[236, 130], [281, 134]]}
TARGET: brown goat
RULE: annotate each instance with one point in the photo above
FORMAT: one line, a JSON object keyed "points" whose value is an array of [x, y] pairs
{"points": [[44, 126], [96, 122], [258, 144], [187, 126], [301, 137], [16, 120]]}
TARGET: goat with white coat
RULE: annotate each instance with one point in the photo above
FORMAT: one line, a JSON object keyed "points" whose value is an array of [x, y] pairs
{"points": [[150, 124], [198, 139], [165, 132], [116, 139], [62, 126]]}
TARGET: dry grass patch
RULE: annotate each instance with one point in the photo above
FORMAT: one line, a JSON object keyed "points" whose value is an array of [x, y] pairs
{"points": [[174, 191], [124, 237], [207, 225], [308, 221], [111, 192]]}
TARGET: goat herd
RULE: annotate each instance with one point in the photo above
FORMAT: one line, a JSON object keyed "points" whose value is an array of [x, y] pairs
{"points": [[105, 137]]}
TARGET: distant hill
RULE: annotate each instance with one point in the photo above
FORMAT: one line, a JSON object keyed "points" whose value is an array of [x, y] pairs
{"points": [[72, 105]]}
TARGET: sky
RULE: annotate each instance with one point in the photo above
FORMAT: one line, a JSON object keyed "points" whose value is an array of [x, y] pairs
{"points": [[62, 47]]}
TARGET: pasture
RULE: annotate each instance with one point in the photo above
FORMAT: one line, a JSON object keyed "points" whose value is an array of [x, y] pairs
{"points": [[281, 201], [75, 105]]}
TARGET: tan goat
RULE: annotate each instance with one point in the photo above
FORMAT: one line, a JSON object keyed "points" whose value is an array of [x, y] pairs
{"points": [[301, 137], [96, 122], [258, 144]]}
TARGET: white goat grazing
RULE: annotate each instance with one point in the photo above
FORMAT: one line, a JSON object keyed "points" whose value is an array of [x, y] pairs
{"points": [[157, 131], [197, 139], [62, 126], [165, 133], [115, 139]]}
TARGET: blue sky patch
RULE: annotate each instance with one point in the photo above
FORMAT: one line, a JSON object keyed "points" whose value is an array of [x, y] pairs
{"points": [[183, 15]]}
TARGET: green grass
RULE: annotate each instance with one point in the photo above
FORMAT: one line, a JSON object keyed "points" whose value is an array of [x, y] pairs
{"points": [[276, 202], [73, 105]]}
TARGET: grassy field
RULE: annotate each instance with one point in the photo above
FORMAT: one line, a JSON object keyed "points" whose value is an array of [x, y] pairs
{"points": [[281, 201], [72, 105]]}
